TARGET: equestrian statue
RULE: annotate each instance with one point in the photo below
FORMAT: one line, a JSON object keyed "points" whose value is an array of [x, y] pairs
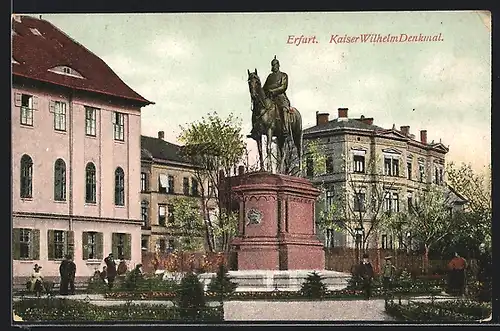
{"points": [[273, 116]]}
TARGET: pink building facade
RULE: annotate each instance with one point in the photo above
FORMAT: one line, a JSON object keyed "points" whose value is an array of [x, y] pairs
{"points": [[76, 162]]}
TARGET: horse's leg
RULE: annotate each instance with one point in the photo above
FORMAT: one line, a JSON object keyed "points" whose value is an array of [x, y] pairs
{"points": [[259, 148], [269, 150], [281, 154]]}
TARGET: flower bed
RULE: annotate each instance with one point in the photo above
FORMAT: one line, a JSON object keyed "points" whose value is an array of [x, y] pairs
{"points": [[37, 310], [448, 311]]}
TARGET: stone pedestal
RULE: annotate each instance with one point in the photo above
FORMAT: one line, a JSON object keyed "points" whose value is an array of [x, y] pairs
{"points": [[276, 223]]}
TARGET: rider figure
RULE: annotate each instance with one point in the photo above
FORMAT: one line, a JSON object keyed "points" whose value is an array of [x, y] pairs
{"points": [[275, 88]]}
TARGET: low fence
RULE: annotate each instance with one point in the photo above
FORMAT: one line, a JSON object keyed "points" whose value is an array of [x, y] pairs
{"points": [[186, 261]]}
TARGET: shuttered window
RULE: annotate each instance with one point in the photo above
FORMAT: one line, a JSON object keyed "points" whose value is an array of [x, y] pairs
{"points": [[59, 244], [26, 244], [121, 245], [92, 247]]}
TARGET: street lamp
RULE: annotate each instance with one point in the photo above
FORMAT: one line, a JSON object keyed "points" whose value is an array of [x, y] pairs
{"points": [[359, 240]]}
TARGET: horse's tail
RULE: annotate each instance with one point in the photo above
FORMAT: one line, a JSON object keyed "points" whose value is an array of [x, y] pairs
{"points": [[296, 128]]}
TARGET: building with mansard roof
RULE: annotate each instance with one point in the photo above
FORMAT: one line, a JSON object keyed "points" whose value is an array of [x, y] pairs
{"points": [[76, 152]]}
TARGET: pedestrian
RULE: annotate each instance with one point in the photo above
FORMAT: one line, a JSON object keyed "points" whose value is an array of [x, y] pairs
{"points": [[71, 274], [104, 274], [457, 268], [36, 281], [64, 271], [388, 273], [366, 273], [122, 268], [110, 269]]}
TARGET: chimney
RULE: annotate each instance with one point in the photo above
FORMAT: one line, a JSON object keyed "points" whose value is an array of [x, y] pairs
{"points": [[321, 118], [343, 112], [423, 136], [405, 130], [366, 120], [161, 135]]}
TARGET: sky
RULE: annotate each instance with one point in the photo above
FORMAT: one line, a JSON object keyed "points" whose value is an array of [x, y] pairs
{"points": [[194, 64]]}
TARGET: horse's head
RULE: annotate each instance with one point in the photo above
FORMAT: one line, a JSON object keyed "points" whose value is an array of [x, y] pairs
{"points": [[253, 83]]}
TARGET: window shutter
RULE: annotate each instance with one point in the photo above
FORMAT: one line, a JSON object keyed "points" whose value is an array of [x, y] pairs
{"points": [[99, 245], [85, 241], [114, 243], [50, 244], [17, 99], [16, 249], [35, 244], [70, 243], [128, 246], [35, 102], [52, 106]]}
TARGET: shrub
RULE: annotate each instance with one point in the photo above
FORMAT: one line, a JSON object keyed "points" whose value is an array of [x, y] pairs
{"points": [[222, 284], [313, 287], [190, 297]]}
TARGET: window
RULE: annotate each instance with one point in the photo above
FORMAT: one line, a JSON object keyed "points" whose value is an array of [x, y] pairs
{"points": [[329, 165], [59, 110], [170, 188], [410, 200], [57, 244], [387, 202], [421, 171], [121, 245], [24, 243], [144, 183], [90, 121], [408, 170], [60, 180], [144, 213], [438, 175], [359, 201], [309, 167], [26, 177], [119, 187], [27, 109], [384, 241], [359, 163], [391, 166], [170, 213], [395, 202], [162, 246], [194, 187], [90, 180], [92, 245], [329, 201], [185, 185], [171, 244], [210, 188], [387, 242], [119, 126], [162, 212], [144, 243]]}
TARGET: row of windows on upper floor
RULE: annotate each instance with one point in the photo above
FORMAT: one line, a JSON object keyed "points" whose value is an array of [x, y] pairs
{"points": [[166, 184], [391, 168], [26, 244], [26, 183], [28, 104]]}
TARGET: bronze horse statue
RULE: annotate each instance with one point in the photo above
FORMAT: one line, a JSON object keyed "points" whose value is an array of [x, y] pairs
{"points": [[266, 120]]}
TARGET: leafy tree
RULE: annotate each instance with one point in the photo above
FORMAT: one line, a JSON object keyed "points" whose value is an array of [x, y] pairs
{"points": [[429, 218], [190, 297], [221, 283], [476, 188], [216, 146], [188, 222], [313, 287]]}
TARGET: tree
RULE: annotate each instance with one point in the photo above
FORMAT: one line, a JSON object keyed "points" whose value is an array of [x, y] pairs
{"points": [[476, 188], [190, 297], [216, 146], [313, 287], [188, 221], [221, 283], [429, 218]]}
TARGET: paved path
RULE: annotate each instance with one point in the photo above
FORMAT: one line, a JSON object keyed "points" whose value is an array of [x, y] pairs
{"points": [[334, 310]]}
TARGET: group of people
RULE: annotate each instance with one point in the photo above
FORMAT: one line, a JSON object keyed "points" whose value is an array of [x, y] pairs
{"points": [[67, 272], [456, 281]]}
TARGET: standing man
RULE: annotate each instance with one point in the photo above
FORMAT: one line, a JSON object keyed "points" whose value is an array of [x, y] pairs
{"points": [[64, 270], [388, 273], [71, 274], [366, 273], [110, 269], [457, 268]]}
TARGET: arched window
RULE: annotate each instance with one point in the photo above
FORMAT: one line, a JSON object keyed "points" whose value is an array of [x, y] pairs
{"points": [[119, 187], [60, 180], [90, 180], [26, 176]]}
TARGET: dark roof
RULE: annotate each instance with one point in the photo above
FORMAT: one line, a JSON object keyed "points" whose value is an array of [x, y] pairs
{"points": [[348, 124], [37, 53], [158, 149]]}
